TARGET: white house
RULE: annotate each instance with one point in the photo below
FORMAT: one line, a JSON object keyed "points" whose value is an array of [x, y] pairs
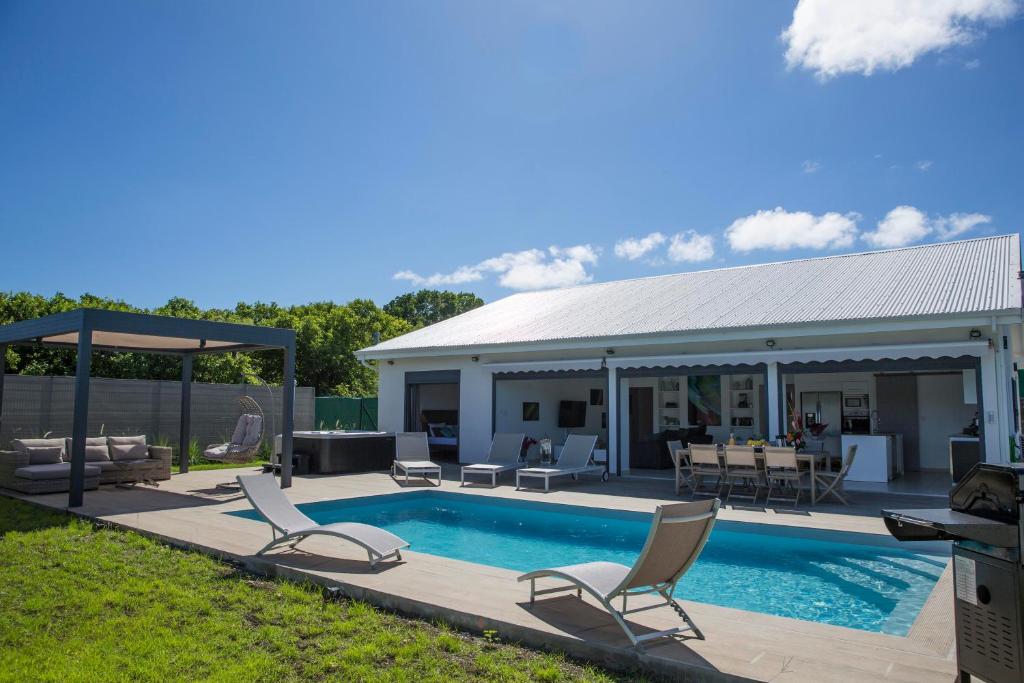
{"points": [[899, 351]]}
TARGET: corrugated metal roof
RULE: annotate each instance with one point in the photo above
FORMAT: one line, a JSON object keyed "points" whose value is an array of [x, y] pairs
{"points": [[953, 278]]}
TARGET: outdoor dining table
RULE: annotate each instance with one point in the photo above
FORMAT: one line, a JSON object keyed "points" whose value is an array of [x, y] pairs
{"points": [[810, 458]]}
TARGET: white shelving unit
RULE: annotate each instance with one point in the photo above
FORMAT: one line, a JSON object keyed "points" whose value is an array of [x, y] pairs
{"points": [[740, 406]]}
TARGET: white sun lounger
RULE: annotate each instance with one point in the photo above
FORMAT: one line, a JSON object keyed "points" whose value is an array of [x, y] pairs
{"points": [[503, 457], [284, 518], [575, 459], [674, 542], [412, 456]]}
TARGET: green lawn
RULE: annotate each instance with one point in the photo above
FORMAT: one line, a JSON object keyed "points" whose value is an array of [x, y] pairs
{"points": [[199, 466], [79, 603]]}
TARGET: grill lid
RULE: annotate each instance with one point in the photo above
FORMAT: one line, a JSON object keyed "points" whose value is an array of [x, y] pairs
{"points": [[948, 525], [991, 491]]}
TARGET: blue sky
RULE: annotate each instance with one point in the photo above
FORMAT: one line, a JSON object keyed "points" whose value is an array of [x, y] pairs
{"points": [[293, 152]]}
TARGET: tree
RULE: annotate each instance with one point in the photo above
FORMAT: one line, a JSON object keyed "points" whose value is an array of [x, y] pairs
{"points": [[327, 337], [429, 306]]}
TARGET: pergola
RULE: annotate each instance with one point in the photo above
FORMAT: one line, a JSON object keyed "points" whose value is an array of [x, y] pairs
{"points": [[89, 329]]}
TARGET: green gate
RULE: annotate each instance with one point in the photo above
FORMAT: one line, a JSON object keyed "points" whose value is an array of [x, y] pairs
{"points": [[342, 412]]}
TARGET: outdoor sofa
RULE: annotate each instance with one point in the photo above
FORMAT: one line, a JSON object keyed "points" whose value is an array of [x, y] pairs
{"points": [[43, 465]]}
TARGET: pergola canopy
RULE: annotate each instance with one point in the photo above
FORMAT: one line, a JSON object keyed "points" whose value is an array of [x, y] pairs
{"points": [[90, 329], [144, 333]]}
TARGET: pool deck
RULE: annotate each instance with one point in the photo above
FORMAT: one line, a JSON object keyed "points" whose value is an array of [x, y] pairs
{"points": [[187, 511]]}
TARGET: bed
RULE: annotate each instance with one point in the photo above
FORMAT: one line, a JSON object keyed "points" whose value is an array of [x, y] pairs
{"points": [[442, 428]]}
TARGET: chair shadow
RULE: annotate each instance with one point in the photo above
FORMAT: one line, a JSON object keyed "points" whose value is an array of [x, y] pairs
{"points": [[296, 558], [595, 626]]}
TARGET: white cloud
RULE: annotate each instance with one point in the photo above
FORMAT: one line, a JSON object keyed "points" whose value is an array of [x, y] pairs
{"points": [[521, 270], [779, 230], [834, 37], [906, 224], [691, 246], [633, 248], [956, 224], [810, 166], [923, 165]]}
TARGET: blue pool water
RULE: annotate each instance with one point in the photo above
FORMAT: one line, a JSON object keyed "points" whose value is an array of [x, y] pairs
{"points": [[829, 577]]}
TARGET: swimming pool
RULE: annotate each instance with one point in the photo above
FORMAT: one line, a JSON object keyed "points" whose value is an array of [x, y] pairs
{"points": [[852, 580]]}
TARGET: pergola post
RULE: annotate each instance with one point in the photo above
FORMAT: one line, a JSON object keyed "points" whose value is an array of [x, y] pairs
{"points": [[287, 415], [185, 430], [80, 425], [3, 371]]}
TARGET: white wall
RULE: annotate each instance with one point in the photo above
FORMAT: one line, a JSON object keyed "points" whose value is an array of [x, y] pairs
{"points": [[512, 393], [474, 401], [941, 411]]}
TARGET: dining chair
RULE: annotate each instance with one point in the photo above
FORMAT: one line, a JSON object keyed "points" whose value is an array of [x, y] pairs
{"points": [[684, 473], [704, 463], [832, 482], [741, 465], [781, 467]]}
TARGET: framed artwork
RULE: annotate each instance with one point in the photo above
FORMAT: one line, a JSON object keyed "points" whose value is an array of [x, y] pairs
{"points": [[704, 398], [531, 411]]}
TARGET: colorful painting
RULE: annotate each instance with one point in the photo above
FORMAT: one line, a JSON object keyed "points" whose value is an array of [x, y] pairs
{"points": [[704, 395]]}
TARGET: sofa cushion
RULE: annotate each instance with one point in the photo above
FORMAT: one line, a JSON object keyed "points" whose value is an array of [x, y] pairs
{"points": [[22, 445], [128, 451], [58, 471], [253, 431], [44, 455], [97, 453], [241, 427], [216, 452], [120, 440]]}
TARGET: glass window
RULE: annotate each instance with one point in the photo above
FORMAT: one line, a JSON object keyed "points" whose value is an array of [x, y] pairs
{"points": [[704, 400]]}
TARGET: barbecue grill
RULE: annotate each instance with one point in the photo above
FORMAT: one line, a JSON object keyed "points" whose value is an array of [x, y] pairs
{"points": [[984, 521]]}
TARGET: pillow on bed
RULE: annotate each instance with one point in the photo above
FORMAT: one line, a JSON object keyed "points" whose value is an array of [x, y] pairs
{"points": [[449, 431], [434, 428]]}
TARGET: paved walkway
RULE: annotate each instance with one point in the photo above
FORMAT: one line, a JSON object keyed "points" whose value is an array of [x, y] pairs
{"points": [[188, 511]]}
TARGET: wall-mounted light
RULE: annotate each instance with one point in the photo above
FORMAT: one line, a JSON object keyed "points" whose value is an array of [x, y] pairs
{"points": [[391, 362], [975, 334], [475, 359], [610, 352], [770, 343]]}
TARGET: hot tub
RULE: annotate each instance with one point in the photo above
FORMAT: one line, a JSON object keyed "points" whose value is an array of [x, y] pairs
{"points": [[344, 451]]}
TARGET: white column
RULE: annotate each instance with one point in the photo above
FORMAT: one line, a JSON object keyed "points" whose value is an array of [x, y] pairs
{"points": [[990, 393], [773, 427], [612, 406]]}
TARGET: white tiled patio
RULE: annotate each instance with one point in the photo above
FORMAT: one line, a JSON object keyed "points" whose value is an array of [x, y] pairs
{"points": [[188, 511]]}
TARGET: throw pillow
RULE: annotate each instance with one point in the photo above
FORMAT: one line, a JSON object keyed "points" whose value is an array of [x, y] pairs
{"points": [[44, 455], [128, 451]]}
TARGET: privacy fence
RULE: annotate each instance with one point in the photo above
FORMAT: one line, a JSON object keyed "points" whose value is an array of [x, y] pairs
{"points": [[34, 406], [336, 412]]}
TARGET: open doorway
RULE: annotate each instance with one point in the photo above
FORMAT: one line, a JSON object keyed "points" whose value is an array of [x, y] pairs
{"points": [[432, 407]]}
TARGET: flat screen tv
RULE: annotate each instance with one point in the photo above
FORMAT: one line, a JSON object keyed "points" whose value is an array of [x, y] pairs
{"points": [[572, 414]]}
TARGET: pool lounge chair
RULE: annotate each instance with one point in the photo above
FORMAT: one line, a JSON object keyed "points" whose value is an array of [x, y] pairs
{"points": [[503, 457], [676, 538], [412, 456], [575, 459], [269, 501]]}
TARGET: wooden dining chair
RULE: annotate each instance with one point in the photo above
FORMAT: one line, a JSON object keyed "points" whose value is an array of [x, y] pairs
{"points": [[703, 465], [681, 463], [781, 468], [741, 466], [832, 482]]}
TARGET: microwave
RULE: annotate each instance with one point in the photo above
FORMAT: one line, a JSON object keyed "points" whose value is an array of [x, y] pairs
{"points": [[855, 402]]}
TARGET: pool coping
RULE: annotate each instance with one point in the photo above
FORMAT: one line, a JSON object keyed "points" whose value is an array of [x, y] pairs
{"points": [[741, 645]]}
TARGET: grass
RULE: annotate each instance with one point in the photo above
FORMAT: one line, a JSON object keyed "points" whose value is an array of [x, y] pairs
{"points": [[85, 603], [200, 466]]}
